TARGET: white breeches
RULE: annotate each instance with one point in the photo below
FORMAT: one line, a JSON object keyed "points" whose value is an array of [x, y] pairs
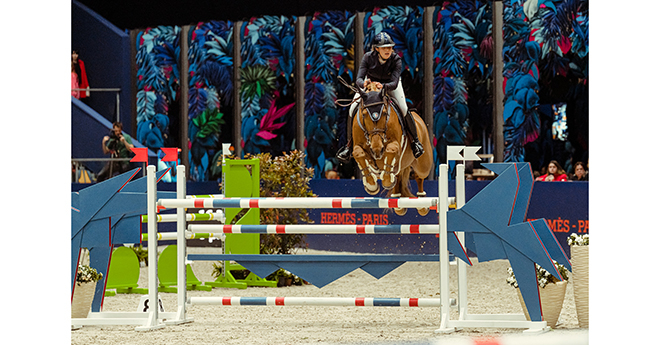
{"points": [[397, 94]]}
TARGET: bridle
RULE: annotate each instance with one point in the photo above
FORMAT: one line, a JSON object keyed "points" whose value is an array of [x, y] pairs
{"points": [[375, 116], [374, 113]]}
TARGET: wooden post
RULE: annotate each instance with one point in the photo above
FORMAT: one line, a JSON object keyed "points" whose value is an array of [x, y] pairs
{"points": [[236, 36], [498, 83], [427, 89], [300, 83], [183, 96]]}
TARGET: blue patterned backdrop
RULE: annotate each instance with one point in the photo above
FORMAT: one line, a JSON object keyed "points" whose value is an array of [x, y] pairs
{"points": [[546, 50], [329, 53]]}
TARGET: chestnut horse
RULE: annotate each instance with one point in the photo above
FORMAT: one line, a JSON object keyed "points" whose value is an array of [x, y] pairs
{"points": [[381, 147]]}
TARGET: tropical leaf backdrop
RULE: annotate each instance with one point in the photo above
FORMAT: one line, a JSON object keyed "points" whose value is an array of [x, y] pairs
{"points": [[157, 84], [462, 44], [329, 52], [405, 25], [267, 85], [544, 41], [210, 75], [546, 61]]}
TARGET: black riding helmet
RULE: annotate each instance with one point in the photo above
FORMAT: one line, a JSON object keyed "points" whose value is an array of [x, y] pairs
{"points": [[383, 39]]}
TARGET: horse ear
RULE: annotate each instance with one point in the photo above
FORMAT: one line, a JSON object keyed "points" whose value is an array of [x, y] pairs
{"points": [[362, 93], [383, 92]]}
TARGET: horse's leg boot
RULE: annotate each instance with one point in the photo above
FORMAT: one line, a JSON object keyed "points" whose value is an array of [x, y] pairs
{"points": [[411, 129]]}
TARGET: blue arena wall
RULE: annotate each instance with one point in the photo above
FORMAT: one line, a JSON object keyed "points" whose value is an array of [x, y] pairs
{"points": [[89, 128], [106, 52]]}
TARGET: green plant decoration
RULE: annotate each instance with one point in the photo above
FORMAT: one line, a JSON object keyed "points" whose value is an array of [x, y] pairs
{"points": [[543, 277], [208, 122], [256, 80], [284, 176], [282, 273], [87, 274], [142, 254]]}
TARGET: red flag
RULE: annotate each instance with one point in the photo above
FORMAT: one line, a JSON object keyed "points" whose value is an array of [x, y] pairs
{"points": [[171, 154], [141, 154]]}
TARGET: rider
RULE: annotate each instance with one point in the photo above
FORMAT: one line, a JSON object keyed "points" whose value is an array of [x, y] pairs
{"points": [[383, 67]]}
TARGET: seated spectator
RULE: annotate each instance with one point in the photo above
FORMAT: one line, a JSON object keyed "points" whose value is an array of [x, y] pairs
{"points": [[581, 174], [332, 175], [555, 173]]}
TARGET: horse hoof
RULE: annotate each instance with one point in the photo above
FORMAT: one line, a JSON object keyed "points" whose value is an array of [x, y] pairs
{"points": [[372, 192], [391, 185], [423, 211], [400, 211]]}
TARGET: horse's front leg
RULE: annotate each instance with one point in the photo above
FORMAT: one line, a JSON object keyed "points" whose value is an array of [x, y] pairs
{"points": [[392, 151], [369, 178]]}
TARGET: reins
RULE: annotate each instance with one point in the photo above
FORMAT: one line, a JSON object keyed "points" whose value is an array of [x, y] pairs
{"points": [[367, 134]]}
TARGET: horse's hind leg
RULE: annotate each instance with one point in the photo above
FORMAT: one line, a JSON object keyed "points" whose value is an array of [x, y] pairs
{"points": [[420, 186], [401, 188], [421, 193]]}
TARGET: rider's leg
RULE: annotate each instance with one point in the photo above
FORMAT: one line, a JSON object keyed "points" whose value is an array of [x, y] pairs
{"points": [[408, 120], [344, 154]]}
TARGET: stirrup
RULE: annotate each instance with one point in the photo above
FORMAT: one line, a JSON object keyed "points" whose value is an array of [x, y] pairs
{"points": [[417, 148], [344, 154]]}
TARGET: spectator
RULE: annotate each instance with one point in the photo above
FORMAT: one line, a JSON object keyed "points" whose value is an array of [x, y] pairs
{"points": [[332, 175], [581, 174], [74, 81], [555, 173], [118, 145], [79, 68]]}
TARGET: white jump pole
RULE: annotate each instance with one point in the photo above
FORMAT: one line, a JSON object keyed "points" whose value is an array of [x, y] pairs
{"points": [[460, 265], [181, 284], [298, 202], [190, 217], [317, 301], [443, 207], [172, 236], [315, 228], [152, 248]]}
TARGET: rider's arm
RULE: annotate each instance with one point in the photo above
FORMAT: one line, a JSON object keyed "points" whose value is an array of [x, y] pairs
{"points": [[362, 72], [396, 74]]}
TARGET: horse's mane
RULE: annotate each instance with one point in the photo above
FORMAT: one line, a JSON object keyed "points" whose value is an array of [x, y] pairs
{"points": [[370, 86]]}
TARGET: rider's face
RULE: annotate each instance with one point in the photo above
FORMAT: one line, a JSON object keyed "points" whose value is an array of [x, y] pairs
{"points": [[384, 52]]}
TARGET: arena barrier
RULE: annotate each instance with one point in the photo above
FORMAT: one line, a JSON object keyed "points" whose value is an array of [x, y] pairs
{"points": [[154, 317]]}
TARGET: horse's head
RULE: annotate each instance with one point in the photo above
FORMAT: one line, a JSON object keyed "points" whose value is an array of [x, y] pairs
{"points": [[372, 108]]}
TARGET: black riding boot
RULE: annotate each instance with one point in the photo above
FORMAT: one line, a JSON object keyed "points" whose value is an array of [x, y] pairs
{"points": [[344, 154], [411, 130]]}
